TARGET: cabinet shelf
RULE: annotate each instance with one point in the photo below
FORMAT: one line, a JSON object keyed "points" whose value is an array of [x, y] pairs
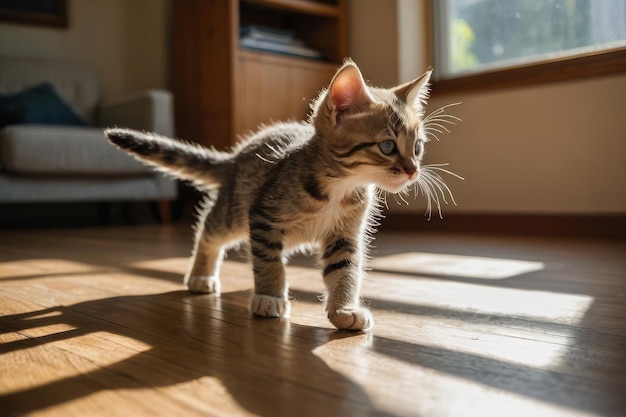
{"points": [[327, 9], [320, 26], [223, 90]]}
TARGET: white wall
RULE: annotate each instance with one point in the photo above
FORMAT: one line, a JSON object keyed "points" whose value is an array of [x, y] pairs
{"points": [[555, 148], [126, 41]]}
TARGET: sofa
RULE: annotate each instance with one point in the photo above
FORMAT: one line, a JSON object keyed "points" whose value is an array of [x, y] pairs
{"points": [[52, 148]]}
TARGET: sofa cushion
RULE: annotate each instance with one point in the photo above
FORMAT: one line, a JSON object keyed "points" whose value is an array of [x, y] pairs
{"points": [[40, 189], [63, 150], [76, 83], [37, 105]]}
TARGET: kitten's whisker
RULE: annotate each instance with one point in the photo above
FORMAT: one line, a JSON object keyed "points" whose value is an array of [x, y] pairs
{"points": [[447, 120], [429, 133], [402, 198], [436, 178], [439, 112], [433, 199], [445, 186], [262, 158], [428, 193], [436, 199], [431, 128], [444, 118], [437, 119], [436, 181], [438, 125], [382, 196], [419, 187], [432, 177], [438, 167], [416, 189]]}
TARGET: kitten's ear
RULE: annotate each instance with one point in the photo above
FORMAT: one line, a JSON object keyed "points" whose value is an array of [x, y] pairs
{"points": [[416, 92], [347, 92]]}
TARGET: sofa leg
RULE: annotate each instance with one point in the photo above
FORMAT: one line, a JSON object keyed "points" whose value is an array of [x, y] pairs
{"points": [[103, 213], [164, 209]]}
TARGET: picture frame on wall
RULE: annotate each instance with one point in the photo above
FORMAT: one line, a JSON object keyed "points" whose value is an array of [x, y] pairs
{"points": [[51, 13]]}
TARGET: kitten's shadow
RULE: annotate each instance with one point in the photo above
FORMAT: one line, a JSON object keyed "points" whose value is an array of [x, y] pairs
{"points": [[267, 365]]}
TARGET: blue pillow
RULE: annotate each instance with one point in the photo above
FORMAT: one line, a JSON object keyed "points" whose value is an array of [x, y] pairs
{"points": [[10, 111], [37, 105]]}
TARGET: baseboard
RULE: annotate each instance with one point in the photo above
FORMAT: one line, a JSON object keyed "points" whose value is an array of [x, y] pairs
{"points": [[568, 225]]}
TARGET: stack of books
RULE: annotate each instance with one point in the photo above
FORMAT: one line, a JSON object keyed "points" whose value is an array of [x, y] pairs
{"points": [[265, 39]]}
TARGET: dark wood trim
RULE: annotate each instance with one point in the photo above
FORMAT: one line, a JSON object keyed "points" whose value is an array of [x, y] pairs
{"points": [[564, 225], [301, 6], [204, 33], [47, 13], [593, 64], [590, 65]]}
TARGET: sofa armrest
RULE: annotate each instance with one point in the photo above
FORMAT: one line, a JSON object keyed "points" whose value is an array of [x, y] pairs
{"points": [[152, 110]]}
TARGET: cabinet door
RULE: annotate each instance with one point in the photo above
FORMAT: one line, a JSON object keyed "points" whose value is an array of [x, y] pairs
{"points": [[274, 88]]}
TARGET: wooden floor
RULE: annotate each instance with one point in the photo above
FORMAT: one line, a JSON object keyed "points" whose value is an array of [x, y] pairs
{"points": [[96, 322]]}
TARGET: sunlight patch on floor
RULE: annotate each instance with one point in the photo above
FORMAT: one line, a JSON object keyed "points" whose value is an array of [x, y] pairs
{"points": [[43, 266], [443, 295], [537, 344], [422, 263], [188, 391], [47, 330], [100, 350], [130, 345], [173, 265], [420, 390], [46, 315], [490, 342]]}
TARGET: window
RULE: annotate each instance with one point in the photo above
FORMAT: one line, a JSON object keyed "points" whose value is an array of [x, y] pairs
{"points": [[532, 40]]}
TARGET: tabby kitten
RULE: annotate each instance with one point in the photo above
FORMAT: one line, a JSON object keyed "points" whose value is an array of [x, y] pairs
{"points": [[302, 185]]}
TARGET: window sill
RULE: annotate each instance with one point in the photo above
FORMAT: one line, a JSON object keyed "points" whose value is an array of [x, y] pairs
{"points": [[584, 66]]}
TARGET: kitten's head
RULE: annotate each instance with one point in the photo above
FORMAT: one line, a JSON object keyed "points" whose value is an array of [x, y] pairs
{"points": [[376, 135]]}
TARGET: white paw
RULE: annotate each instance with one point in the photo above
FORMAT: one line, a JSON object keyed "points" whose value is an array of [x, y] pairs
{"points": [[268, 306], [204, 284], [352, 318]]}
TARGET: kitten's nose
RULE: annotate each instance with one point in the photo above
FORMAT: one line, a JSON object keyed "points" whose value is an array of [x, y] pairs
{"points": [[411, 170]]}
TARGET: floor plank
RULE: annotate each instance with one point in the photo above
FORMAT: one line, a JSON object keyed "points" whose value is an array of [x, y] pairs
{"points": [[97, 322]]}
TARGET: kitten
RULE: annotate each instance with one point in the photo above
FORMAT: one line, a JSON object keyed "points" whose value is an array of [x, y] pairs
{"points": [[315, 184]]}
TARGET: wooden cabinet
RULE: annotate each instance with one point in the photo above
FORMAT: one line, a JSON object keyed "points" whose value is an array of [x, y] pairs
{"points": [[222, 90], [274, 88]]}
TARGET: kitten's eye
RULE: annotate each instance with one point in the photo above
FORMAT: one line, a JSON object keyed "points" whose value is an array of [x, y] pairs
{"points": [[387, 147], [419, 147]]}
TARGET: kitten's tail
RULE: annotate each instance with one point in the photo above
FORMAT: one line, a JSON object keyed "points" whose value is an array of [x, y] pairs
{"points": [[187, 161]]}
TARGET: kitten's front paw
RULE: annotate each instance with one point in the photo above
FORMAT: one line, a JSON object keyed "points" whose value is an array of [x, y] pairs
{"points": [[268, 306], [352, 318], [204, 284]]}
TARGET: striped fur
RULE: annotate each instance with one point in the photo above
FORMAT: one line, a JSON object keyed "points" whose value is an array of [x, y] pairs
{"points": [[293, 184]]}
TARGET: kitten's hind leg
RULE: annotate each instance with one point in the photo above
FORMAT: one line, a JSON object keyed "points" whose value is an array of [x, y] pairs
{"points": [[203, 274]]}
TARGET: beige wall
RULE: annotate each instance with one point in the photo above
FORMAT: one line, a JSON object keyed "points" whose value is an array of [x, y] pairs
{"points": [[373, 40], [126, 40], [557, 148], [550, 148]]}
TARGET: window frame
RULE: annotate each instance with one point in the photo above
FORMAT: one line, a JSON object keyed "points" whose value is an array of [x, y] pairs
{"points": [[587, 65]]}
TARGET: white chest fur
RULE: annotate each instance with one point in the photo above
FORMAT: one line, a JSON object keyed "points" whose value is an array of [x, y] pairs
{"points": [[334, 219]]}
